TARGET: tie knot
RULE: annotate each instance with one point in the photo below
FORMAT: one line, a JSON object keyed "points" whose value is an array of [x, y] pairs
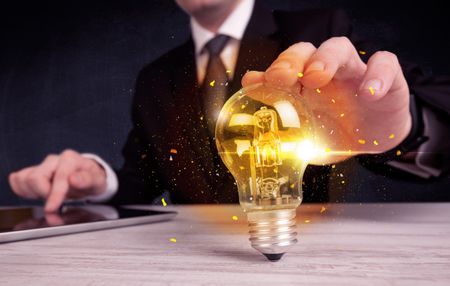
{"points": [[216, 45]]}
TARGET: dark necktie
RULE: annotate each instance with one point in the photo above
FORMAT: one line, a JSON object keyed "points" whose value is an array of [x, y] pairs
{"points": [[215, 84]]}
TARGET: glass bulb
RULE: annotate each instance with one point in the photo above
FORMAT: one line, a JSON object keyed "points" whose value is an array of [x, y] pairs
{"points": [[265, 138]]}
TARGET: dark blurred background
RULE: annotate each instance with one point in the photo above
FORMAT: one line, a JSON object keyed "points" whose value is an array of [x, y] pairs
{"points": [[67, 72]]}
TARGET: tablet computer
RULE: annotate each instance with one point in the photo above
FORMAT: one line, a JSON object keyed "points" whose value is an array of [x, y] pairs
{"points": [[20, 223]]}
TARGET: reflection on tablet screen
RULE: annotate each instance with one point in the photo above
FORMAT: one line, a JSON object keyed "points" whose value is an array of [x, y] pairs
{"points": [[25, 218]]}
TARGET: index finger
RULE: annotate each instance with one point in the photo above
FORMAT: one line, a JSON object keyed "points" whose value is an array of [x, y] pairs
{"points": [[285, 70], [68, 163], [288, 67]]}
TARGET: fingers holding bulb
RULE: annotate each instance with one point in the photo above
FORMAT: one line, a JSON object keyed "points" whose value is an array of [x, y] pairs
{"points": [[252, 77], [285, 70], [336, 58], [384, 74]]}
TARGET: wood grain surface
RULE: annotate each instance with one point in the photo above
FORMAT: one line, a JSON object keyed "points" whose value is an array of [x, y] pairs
{"points": [[343, 244]]}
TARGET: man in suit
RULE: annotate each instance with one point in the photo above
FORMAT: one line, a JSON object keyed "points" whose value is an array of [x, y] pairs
{"points": [[171, 144]]}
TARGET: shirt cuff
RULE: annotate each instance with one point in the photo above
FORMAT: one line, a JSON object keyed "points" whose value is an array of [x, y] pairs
{"points": [[426, 163], [112, 183]]}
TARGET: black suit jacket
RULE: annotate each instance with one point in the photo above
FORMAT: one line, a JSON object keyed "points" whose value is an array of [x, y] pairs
{"points": [[170, 149]]}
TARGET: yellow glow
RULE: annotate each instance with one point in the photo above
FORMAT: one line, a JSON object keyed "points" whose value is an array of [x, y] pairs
{"points": [[288, 114], [288, 147], [306, 150], [240, 119]]}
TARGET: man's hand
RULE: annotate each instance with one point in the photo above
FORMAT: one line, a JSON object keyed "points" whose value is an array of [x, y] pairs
{"points": [[358, 108], [68, 175]]}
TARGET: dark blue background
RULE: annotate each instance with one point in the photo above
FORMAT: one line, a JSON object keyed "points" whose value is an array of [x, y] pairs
{"points": [[67, 71]]}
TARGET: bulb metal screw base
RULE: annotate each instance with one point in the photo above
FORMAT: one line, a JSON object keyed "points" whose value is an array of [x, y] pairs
{"points": [[272, 232]]}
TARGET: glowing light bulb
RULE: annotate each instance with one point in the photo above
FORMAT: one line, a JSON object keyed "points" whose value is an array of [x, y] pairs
{"points": [[265, 138]]}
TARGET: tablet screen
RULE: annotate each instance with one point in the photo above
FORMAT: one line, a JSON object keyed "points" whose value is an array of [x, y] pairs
{"points": [[19, 219]]}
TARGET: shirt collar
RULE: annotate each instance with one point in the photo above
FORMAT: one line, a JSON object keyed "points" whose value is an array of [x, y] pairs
{"points": [[234, 26]]}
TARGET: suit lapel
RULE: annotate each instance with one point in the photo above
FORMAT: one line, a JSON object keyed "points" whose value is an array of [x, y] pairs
{"points": [[191, 135], [259, 47]]}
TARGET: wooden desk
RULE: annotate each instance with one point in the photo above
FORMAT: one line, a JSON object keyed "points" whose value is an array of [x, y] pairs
{"points": [[348, 244]]}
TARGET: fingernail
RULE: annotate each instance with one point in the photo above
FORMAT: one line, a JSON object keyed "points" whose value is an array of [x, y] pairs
{"points": [[281, 64], [373, 85], [316, 67]]}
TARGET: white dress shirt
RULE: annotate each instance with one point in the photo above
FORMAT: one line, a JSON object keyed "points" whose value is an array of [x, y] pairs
{"points": [[234, 27]]}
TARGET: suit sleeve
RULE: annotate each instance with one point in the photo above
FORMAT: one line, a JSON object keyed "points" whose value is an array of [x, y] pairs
{"points": [[431, 100], [432, 97]]}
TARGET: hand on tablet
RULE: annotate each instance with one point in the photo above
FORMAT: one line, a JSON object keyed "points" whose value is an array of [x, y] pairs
{"points": [[65, 176]]}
